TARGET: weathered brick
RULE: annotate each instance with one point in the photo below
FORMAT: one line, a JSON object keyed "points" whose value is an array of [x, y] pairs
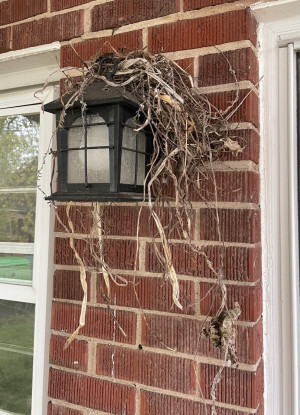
{"points": [[232, 186], [67, 285], [57, 28], [66, 4], [75, 356], [156, 370], [235, 225], [150, 294], [61, 410], [249, 299], [100, 322], [118, 254], [187, 64], [16, 10], [122, 12], [126, 221], [236, 106], [222, 68], [87, 50], [5, 39], [204, 31], [237, 387], [81, 216], [64, 255], [92, 393], [156, 403], [238, 263], [184, 335]]}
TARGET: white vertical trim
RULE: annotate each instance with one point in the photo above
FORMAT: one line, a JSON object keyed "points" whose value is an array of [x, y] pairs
{"points": [[43, 272], [270, 198], [280, 23], [294, 212]]}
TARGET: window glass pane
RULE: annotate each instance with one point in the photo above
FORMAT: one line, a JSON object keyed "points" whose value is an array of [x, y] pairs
{"points": [[15, 267], [19, 137], [16, 355], [17, 216]]}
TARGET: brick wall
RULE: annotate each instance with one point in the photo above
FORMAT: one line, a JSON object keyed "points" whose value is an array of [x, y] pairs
{"points": [[162, 366]]}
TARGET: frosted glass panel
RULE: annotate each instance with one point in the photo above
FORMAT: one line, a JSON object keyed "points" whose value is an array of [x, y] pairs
{"points": [[141, 170], [97, 159], [129, 136], [128, 167], [141, 141]]}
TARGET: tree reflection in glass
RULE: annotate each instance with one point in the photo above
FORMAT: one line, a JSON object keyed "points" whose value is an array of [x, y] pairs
{"points": [[19, 136]]}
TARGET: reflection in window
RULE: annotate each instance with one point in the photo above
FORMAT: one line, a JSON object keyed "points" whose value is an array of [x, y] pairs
{"points": [[19, 136], [16, 351]]}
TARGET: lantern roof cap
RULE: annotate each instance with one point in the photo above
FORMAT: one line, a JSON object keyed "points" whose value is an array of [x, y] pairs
{"points": [[97, 94]]}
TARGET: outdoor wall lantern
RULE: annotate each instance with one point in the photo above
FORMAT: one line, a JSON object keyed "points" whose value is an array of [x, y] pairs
{"points": [[100, 155]]}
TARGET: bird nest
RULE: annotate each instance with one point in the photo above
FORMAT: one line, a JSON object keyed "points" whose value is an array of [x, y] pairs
{"points": [[189, 134]]}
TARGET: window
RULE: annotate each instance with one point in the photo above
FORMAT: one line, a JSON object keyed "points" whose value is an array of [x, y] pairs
{"points": [[26, 221]]}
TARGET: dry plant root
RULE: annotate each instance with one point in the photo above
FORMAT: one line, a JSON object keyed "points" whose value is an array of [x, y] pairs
{"points": [[82, 280]]}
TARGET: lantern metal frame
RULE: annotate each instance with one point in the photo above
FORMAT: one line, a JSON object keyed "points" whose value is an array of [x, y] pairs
{"points": [[116, 107]]}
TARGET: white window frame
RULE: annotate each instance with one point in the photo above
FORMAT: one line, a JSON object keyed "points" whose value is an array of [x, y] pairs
{"points": [[25, 71], [279, 36]]}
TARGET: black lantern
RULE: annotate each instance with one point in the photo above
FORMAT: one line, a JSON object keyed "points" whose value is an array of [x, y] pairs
{"points": [[101, 154]]}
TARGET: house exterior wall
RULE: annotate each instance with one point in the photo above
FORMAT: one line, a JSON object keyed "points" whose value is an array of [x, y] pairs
{"points": [[162, 366]]}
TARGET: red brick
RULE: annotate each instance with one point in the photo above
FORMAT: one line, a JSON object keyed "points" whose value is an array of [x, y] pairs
{"points": [[184, 335], [61, 410], [187, 64], [16, 10], [64, 255], [237, 387], [249, 299], [235, 225], [238, 263], [152, 369], [236, 106], [81, 216], [67, 285], [123, 221], [156, 403], [87, 50], [92, 393], [66, 4], [232, 186], [122, 12], [100, 322], [61, 27], [201, 32], [75, 356], [150, 294], [5, 39], [218, 68], [119, 254]]}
